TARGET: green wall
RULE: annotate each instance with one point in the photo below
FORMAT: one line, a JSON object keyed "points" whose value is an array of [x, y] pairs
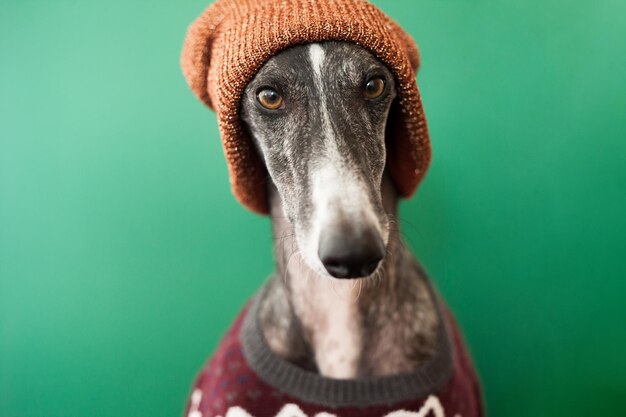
{"points": [[123, 256]]}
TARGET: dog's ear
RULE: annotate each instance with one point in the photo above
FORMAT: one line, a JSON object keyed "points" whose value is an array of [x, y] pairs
{"points": [[197, 50], [407, 138], [409, 45]]}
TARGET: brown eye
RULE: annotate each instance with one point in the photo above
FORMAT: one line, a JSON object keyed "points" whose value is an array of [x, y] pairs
{"points": [[270, 99], [374, 88]]}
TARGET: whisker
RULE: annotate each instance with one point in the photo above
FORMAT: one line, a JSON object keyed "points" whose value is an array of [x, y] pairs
{"points": [[293, 252], [360, 289]]}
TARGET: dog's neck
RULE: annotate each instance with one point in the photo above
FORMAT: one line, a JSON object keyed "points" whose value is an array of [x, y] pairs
{"points": [[381, 325]]}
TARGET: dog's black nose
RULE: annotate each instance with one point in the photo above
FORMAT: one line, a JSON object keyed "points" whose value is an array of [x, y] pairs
{"points": [[346, 255]]}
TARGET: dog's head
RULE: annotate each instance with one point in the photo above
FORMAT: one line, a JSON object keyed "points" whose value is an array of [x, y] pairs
{"points": [[314, 116], [317, 114]]}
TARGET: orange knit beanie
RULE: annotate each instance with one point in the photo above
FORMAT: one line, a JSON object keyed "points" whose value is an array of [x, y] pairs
{"points": [[232, 39]]}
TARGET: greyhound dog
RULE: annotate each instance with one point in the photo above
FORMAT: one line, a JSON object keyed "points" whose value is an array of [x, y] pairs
{"points": [[323, 128], [348, 299]]}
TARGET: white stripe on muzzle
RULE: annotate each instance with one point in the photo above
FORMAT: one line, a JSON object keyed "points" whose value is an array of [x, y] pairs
{"points": [[339, 194]]}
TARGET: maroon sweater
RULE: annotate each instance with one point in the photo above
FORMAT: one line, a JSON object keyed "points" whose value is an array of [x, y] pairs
{"points": [[245, 379]]}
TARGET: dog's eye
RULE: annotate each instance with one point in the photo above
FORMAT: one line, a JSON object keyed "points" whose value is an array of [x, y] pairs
{"points": [[270, 99], [374, 88]]}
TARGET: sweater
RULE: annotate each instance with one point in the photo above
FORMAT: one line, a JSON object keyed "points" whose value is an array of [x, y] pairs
{"points": [[244, 378]]}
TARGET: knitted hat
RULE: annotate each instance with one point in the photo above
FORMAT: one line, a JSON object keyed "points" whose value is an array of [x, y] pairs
{"points": [[232, 39]]}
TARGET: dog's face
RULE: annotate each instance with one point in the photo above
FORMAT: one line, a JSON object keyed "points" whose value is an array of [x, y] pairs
{"points": [[317, 114]]}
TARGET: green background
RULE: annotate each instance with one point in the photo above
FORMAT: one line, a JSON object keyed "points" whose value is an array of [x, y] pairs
{"points": [[124, 257]]}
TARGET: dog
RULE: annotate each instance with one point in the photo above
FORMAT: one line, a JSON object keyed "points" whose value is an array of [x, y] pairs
{"points": [[346, 302], [349, 324]]}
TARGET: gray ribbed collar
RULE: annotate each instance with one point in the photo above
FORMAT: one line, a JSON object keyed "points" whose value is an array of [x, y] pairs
{"points": [[330, 392]]}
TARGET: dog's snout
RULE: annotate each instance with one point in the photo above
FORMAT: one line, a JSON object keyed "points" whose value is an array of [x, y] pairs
{"points": [[348, 255]]}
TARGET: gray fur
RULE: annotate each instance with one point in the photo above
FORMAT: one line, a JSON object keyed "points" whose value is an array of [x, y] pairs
{"points": [[393, 318]]}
